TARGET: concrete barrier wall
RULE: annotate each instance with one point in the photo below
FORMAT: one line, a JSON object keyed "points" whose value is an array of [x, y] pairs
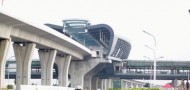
{"points": [[40, 87]]}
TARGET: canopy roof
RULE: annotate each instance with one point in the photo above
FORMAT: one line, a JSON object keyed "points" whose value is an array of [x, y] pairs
{"points": [[167, 86]]}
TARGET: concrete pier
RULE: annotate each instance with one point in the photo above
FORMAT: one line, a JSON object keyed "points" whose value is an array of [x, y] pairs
{"points": [[47, 58], [23, 54], [63, 62], [4, 48]]}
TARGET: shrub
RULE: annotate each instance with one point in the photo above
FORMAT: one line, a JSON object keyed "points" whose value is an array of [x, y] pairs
{"points": [[9, 86]]}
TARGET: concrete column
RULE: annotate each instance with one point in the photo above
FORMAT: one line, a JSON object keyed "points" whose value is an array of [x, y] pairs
{"points": [[105, 84], [94, 84], [23, 54], [178, 72], [47, 58], [110, 83], [134, 85], [87, 82], [175, 83], [140, 85], [76, 74], [129, 84], [100, 84], [124, 84], [88, 76], [172, 71], [82, 72], [63, 63], [4, 48]]}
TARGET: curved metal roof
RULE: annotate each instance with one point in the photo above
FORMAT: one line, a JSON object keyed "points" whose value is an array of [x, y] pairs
{"points": [[79, 30], [103, 33], [100, 37]]}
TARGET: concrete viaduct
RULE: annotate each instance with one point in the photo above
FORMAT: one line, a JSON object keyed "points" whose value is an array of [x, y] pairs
{"points": [[54, 47]]}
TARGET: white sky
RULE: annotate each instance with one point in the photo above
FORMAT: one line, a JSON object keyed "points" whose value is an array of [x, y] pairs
{"points": [[167, 20]]}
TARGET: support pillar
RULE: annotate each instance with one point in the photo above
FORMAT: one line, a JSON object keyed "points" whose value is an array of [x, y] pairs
{"points": [[110, 83], [100, 84], [47, 58], [124, 84], [87, 81], [172, 71], [23, 54], [63, 63], [88, 76], [134, 85], [94, 83], [4, 48], [175, 83], [140, 85], [82, 72], [129, 85], [104, 84]]}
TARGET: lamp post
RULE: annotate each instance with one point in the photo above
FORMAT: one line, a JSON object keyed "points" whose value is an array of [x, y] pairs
{"points": [[8, 67], [188, 75], [150, 67], [154, 51]]}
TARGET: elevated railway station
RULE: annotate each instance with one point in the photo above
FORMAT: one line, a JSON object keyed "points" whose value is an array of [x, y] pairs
{"points": [[78, 48]]}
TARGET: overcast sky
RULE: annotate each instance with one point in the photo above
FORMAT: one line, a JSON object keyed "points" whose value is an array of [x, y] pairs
{"points": [[167, 20]]}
